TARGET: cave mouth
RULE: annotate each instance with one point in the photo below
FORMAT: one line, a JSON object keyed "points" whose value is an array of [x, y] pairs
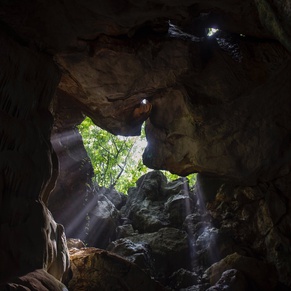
{"points": [[238, 127], [94, 163]]}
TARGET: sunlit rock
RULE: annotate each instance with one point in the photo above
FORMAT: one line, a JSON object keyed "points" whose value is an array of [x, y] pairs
{"points": [[125, 230], [139, 253], [75, 243], [178, 206], [103, 221], [95, 269], [28, 80], [206, 111], [71, 198], [257, 220], [210, 126], [182, 279], [58, 254], [152, 204], [118, 199]]}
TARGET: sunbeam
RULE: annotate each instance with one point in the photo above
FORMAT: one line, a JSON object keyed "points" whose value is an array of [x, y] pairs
{"points": [[206, 236], [72, 198]]}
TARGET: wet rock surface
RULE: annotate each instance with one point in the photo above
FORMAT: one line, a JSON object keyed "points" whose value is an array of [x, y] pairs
{"points": [[95, 269]]}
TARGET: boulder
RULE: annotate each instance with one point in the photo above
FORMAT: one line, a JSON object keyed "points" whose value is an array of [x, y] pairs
{"points": [[38, 280], [259, 273], [233, 280], [139, 253], [75, 243], [156, 203], [103, 220], [95, 269], [169, 250]]}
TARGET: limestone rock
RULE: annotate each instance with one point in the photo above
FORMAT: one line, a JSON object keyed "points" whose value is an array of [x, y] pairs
{"points": [[103, 221], [95, 269], [169, 250], [38, 280], [58, 254], [75, 243], [206, 110], [139, 253], [178, 206], [263, 275], [152, 204], [125, 230], [118, 199], [232, 280]]}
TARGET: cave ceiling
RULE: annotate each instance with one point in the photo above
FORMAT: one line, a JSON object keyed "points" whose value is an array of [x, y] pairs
{"points": [[218, 105]]}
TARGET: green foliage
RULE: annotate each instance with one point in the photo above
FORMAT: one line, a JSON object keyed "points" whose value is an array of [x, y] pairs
{"points": [[116, 160]]}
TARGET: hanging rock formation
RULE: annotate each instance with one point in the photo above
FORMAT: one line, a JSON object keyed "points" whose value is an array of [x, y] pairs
{"points": [[215, 105]]}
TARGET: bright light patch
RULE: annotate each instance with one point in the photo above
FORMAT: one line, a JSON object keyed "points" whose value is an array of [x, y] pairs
{"points": [[212, 31]]}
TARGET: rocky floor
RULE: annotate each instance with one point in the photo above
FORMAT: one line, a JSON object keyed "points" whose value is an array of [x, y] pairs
{"points": [[215, 236]]}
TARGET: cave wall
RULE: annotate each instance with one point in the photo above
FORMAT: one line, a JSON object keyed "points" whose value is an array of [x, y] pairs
{"points": [[28, 81], [219, 106]]}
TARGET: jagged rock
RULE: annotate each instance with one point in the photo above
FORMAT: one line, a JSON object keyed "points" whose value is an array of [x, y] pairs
{"points": [[75, 243], [261, 274], [178, 206], [28, 80], [124, 231], [176, 147], [207, 111], [95, 269], [138, 253], [58, 254], [169, 250], [256, 219], [38, 280], [152, 204], [232, 280], [182, 279], [118, 199], [73, 190], [103, 221]]}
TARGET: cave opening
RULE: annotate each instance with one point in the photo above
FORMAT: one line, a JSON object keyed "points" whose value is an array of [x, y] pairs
{"points": [[218, 106], [106, 168]]}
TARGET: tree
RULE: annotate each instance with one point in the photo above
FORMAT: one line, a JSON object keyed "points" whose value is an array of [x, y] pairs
{"points": [[116, 160]]}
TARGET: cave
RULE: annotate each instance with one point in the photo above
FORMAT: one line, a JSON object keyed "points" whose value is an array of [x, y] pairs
{"points": [[217, 104]]}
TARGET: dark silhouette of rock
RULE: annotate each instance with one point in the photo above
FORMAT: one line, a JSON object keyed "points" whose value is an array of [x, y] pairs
{"points": [[38, 280], [215, 105], [232, 280], [262, 275]]}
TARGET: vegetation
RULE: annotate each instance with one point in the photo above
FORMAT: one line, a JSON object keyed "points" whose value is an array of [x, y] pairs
{"points": [[116, 160]]}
